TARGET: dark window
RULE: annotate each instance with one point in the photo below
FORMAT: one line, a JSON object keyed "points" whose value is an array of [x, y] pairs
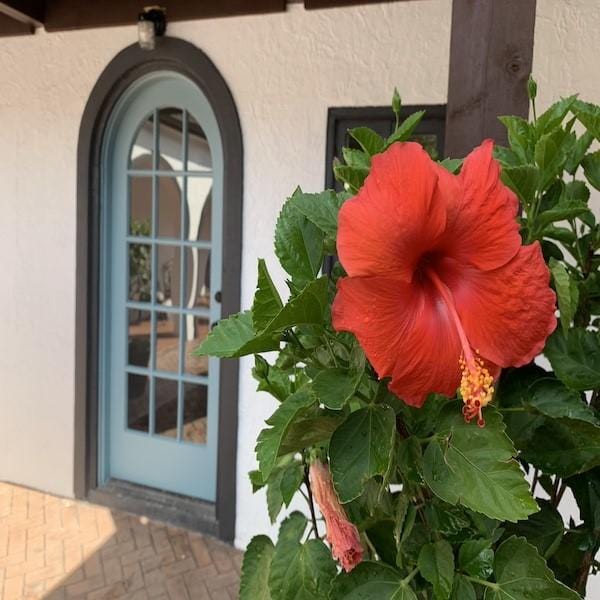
{"points": [[429, 132]]}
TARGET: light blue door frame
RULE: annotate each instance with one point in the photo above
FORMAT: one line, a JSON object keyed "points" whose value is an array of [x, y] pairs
{"points": [[140, 453]]}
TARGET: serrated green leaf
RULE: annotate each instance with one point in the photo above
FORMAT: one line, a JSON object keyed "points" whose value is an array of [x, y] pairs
{"points": [[309, 431], [567, 294], [544, 529], [551, 151], [578, 152], [298, 243], [370, 141], [586, 489], [452, 165], [369, 580], [360, 449], [255, 569], [521, 136], [270, 439], [589, 115], [564, 210], [523, 180], [267, 302], [474, 466], [352, 177], [282, 485], [356, 158], [463, 589], [575, 358], [235, 336], [553, 117], [522, 573], [321, 209], [271, 379], [404, 593], [476, 558], [406, 128], [334, 387], [436, 565], [550, 397], [591, 168]]}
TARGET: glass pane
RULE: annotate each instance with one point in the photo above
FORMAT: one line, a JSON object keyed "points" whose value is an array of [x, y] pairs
{"points": [[168, 274], [170, 138], [198, 208], [199, 158], [138, 387], [197, 283], [167, 342], [194, 413], [139, 337], [143, 144], [166, 407], [140, 206], [196, 329], [140, 272], [169, 206]]}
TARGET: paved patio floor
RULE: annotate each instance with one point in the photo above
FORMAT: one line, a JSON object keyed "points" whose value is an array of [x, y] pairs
{"points": [[56, 549]]}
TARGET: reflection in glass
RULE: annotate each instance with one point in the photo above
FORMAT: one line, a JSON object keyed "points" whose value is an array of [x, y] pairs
{"points": [[170, 137], [140, 272], [139, 337], [199, 158], [140, 206], [197, 283], [169, 206], [198, 208], [167, 342], [196, 329], [143, 143], [194, 413], [168, 273], [138, 387], [166, 407]]}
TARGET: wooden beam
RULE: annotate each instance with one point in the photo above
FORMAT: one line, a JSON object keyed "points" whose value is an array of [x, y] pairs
{"points": [[78, 14], [313, 4], [10, 26], [30, 12], [491, 51]]}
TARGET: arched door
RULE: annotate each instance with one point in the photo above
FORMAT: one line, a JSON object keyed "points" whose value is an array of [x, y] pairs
{"points": [[161, 255]]}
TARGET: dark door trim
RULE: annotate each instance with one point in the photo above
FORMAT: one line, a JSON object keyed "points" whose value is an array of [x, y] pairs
{"points": [[130, 64]]}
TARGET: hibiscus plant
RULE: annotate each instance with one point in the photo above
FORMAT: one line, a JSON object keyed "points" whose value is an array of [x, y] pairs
{"points": [[437, 370]]}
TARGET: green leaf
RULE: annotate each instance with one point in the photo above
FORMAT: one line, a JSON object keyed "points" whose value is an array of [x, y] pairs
{"points": [[553, 117], [298, 243], [369, 580], [544, 530], [591, 168], [522, 180], [352, 177], [577, 153], [452, 164], [404, 593], [282, 485], [476, 558], [270, 440], [271, 379], [301, 571], [522, 573], [235, 336], [564, 210], [322, 209], [474, 466], [306, 308], [406, 128], [436, 565], [551, 151], [381, 536], [371, 142], [334, 387], [267, 302], [309, 431], [520, 136], [550, 397], [567, 293], [254, 584], [463, 589], [586, 489], [361, 448], [589, 116], [575, 358], [356, 158]]}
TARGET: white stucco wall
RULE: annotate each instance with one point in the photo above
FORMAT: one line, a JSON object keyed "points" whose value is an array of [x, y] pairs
{"points": [[284, 71]]}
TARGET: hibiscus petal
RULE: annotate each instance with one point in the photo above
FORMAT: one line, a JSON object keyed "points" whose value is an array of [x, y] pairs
{"points": [[395, 216], [507, 313], [482, 229], [405, 331]]}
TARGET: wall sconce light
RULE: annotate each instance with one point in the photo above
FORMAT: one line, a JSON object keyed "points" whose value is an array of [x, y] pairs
{"points": [[152, 23]]}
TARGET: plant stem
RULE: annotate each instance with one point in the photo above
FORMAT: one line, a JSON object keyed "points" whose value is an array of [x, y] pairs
{"points": [[536, 477], [310, 500], [490, 584], [410, 576], [330, 350]]}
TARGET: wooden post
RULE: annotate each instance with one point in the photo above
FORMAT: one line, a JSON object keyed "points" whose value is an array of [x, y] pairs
{"points": [[491, 52]]}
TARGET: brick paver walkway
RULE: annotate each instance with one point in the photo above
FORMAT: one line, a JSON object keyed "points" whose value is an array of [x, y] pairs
{"points": [[57, 549]]}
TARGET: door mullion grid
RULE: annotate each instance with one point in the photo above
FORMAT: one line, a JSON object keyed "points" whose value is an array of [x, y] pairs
{"points": [[153, 276], [182, 279]]}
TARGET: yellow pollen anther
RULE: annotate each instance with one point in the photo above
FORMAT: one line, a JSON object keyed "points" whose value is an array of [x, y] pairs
{"points": [[476, 388]]}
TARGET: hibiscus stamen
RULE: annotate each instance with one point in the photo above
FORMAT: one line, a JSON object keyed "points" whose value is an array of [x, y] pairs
{"points": [[476, 385]]}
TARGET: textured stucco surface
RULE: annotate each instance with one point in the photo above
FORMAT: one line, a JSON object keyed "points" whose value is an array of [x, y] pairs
{"points": [[284, 71]]}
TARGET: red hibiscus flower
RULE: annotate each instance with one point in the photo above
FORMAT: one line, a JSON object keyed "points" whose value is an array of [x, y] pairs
{"points": [[440, 292], [341, 533]]}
